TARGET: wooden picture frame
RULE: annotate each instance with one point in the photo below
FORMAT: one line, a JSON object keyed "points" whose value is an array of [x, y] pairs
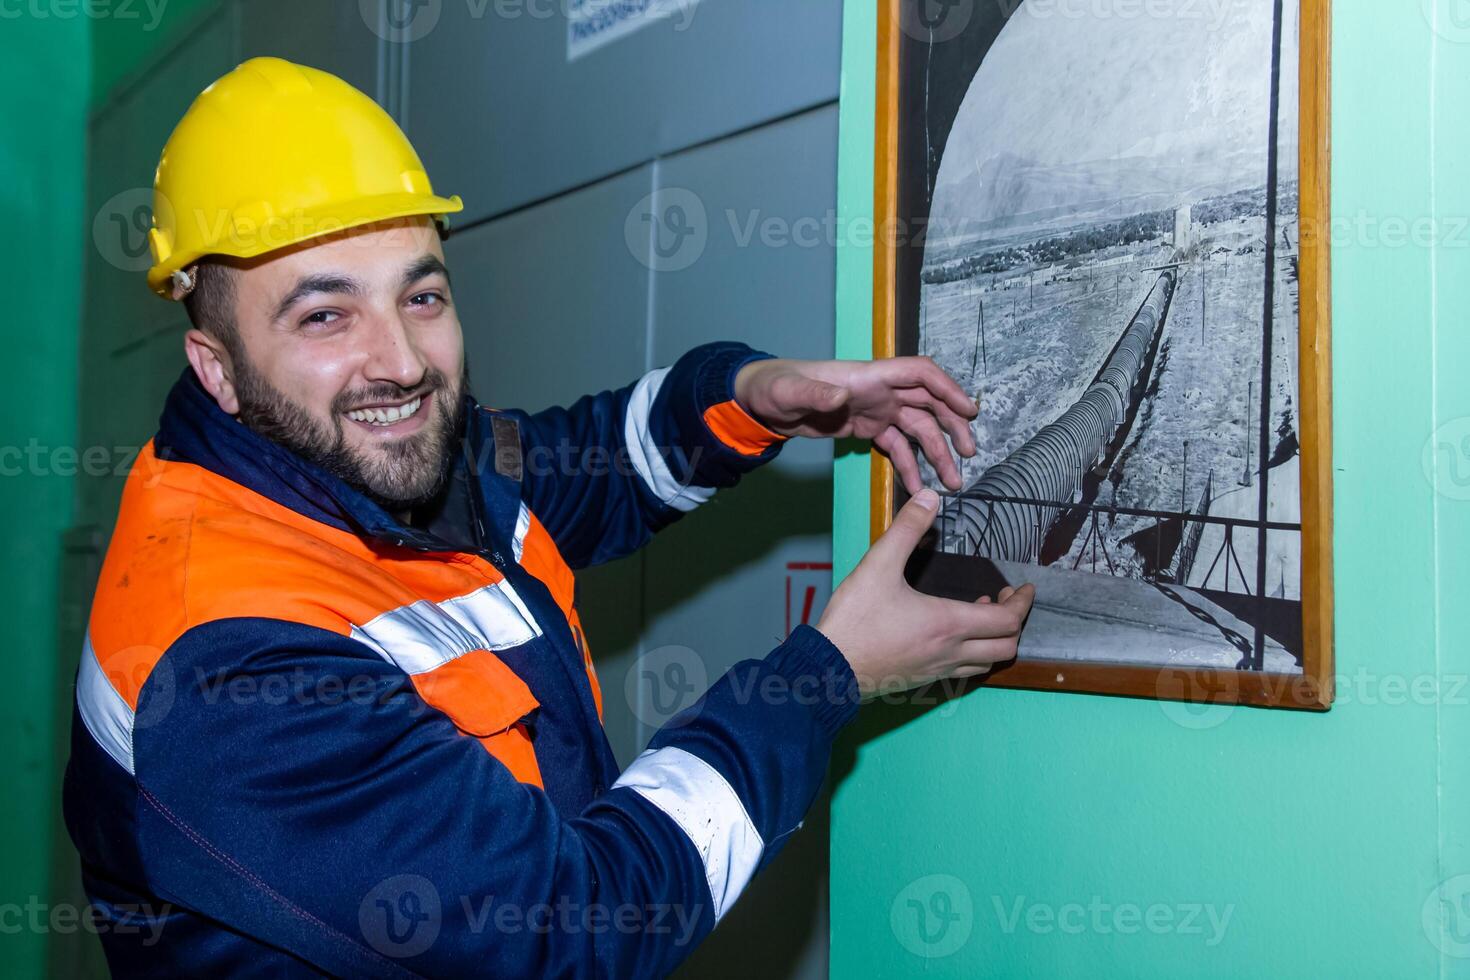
{"points": [[1311, 687]]}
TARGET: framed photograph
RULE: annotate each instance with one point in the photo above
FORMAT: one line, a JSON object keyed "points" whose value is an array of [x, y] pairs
{"points": [[1109, 220]]}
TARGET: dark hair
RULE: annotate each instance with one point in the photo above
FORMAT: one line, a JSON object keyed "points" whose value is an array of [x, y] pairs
{"points": [[211, 305]]}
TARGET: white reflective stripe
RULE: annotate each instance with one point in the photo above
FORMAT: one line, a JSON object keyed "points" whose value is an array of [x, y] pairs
{"points": [[424, 635], [643, 451], [523, 527], [697, 798], [103, 710]]}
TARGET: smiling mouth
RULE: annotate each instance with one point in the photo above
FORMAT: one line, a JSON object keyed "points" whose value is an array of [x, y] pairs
{"points": [[386, 415]]}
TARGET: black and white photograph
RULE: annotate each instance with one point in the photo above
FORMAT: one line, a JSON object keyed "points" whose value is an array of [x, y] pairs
{"points": [[1110, 263]]}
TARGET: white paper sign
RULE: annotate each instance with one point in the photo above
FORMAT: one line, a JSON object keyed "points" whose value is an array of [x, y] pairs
{"points": [[594, 23]]}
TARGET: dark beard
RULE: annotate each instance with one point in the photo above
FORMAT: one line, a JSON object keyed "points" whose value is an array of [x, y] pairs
{"points": [[405, 475]]}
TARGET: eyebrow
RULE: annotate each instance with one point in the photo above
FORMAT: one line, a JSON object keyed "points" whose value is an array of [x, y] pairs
{"points": [[427, 266], [321, 283], [331, 282]]}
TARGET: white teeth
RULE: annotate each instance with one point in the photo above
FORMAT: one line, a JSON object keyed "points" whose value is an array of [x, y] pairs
{"points": [[385, 416]]}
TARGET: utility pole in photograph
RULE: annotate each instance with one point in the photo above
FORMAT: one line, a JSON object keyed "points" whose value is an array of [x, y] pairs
{"points": [[1258, 660], [1245, 477], [1204, 298], [979, 350], [1184, 482]]}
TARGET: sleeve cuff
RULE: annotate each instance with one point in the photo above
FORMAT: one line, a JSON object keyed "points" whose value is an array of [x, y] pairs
{"points": [[730, 423], [812, 665], [725, 418], [695, 414]]}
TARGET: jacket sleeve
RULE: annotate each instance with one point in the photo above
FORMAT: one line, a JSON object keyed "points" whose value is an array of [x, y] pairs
{"points": [[606, 473], [293, 786]]}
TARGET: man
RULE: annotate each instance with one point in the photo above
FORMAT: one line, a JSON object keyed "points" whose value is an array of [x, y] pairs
{"points": [[336, 714]]}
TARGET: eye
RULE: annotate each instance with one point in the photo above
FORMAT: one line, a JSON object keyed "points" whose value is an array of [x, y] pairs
{"points": [[427, 300], [320, 318]]}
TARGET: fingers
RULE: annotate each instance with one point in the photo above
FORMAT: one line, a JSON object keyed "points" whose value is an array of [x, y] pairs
{"points": [[957, 427], [923, 371], [909, 524], [995, 620], [983, 653], [895, 445], [921, 426]]}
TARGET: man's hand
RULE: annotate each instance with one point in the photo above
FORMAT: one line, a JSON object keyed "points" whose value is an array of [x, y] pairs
{"points": [[889, 401], [895, 637]]}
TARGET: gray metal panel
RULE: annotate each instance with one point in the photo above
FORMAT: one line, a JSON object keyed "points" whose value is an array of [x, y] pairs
{"points": [[127, 139], [123, 394], [554, 306], [131, 346], [332, 36], [717, 581], [502, 118]]}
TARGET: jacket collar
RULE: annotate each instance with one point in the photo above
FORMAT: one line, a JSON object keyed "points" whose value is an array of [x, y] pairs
{"points": [[194, 429]]}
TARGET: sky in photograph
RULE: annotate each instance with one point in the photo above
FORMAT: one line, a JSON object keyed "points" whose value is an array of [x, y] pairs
{"points": [[1081, 104]]}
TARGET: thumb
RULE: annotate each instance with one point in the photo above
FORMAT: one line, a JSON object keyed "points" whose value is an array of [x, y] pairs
{"points": [[909, 525], [828, 397], [806, 394]]}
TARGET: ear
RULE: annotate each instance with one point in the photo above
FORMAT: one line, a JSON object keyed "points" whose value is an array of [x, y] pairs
{"points": [[211, 363]]}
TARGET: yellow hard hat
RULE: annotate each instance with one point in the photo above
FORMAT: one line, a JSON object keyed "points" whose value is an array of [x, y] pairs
{"points": [[273, 154]]}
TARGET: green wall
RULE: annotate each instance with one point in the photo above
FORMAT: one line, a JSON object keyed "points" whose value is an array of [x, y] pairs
{"points": [[1324, 838], [56, 65], [41, 181], [122, 46]]}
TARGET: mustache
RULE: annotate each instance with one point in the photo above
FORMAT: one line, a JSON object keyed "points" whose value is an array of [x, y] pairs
{"points": [[388, 391]]}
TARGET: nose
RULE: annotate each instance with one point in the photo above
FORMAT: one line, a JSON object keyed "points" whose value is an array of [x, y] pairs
{"points": [[392, 355]]}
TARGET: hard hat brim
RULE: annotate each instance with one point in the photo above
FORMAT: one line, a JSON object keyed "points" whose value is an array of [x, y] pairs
{"points": [[242, 240]]}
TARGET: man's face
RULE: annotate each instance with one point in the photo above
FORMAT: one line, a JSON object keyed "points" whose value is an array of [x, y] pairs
{"points": [[351, 355]]}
